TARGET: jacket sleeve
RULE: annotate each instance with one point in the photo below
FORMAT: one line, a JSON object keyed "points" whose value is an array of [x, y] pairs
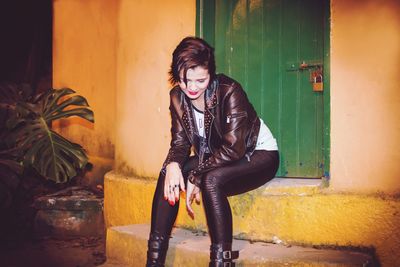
{"points": [[233, 137], [180, 146]]}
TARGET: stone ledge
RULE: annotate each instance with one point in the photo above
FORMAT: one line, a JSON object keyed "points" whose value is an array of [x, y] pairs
{"points": [[72, 198], [127, 245], [292, 186], [322, 218]]}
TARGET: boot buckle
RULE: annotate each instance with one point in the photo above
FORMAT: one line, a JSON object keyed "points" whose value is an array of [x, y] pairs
{"points": [[226, 255]]}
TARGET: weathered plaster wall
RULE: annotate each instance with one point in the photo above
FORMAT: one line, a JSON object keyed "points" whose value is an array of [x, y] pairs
{"points": [[365, 95], [84, 59], [148, 33], [117, 55]]}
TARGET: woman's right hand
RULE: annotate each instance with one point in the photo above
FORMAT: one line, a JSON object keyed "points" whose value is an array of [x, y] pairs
{"points": [[173, 181]]}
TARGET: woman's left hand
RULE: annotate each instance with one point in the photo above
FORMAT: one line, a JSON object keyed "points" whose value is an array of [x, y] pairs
{"points": [[192, 192]]}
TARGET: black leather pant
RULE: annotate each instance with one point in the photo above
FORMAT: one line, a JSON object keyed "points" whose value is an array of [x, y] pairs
{"points": [[236, 178]]}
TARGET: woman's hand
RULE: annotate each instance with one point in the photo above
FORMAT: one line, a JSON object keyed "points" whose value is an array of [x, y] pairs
{"points": [[173, 180], [193, 192]]}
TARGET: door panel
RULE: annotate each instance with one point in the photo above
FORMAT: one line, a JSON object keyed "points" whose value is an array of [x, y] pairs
{"points": [[261, 44]]}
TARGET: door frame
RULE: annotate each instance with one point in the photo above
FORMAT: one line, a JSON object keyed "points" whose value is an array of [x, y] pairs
{"points": [[205, 29]]}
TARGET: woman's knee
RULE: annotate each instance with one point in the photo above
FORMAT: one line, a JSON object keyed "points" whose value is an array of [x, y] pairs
{"points": [[211, 181]]}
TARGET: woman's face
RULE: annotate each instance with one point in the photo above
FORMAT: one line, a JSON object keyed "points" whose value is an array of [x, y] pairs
{"points": [[197, 82]]}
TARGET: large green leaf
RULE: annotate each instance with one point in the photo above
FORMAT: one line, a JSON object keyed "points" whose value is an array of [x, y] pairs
{"points": [[54, 105], [50, 154]]}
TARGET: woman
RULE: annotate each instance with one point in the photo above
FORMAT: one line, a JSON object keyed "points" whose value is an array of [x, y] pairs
{"points": [[234, 151]]}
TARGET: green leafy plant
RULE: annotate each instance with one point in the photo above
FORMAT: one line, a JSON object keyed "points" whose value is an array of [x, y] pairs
{"points": [[11, 168], [29, 132]]}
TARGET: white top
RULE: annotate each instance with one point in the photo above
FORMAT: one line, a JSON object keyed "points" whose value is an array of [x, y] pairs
{"points": [[199, 118], [265, 139]]}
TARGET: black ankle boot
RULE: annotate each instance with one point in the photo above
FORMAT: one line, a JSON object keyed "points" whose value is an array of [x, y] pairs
{"points": [[221, 255], [157, 250]]}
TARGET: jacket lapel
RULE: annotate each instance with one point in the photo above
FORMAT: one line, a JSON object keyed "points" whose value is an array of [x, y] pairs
{"points": [[211, 101], [188, 119]]}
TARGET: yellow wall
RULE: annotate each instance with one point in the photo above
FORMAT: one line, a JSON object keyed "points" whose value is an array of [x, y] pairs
{"points": [[119, 52], [365, 95], [84, 59], [365, 118], [148, 32]]}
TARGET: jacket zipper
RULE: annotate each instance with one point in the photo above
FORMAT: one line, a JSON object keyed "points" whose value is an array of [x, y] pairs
{"points": [[235, 115]]}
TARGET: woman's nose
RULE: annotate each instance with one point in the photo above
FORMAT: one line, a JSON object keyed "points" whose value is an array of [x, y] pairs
{"points": [[191, 86]]}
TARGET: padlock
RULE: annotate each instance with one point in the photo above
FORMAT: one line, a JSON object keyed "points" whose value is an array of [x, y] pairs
{"points": [[318, 85]]}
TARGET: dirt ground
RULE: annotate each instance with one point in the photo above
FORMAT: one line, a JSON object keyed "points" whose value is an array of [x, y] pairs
{"points": [[79, 252]]}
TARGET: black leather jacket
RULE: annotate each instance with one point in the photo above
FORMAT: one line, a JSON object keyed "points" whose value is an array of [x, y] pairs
{"points": [[231, 126]]}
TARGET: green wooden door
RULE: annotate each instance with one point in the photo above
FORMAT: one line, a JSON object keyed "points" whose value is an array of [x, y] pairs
{"points": [[261, 43]]}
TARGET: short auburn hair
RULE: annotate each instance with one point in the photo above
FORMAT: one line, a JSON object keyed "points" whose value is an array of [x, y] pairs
{"points": [[191, 52]]}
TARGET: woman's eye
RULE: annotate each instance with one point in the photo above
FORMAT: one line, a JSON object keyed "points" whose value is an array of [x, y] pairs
{"points": [[201, 81]]}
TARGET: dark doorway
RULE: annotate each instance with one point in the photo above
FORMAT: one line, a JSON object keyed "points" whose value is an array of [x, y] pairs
{"points": [[26, 42]]}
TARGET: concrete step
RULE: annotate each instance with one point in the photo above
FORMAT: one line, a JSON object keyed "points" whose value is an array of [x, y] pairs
{"points": [[127, 245], [296, 211]]}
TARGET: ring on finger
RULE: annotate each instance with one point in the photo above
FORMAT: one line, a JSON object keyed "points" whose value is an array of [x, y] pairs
{"points": [[172, 187]]}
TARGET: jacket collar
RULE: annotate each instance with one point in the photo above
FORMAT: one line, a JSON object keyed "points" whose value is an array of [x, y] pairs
{"points": [[211, 98]]}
